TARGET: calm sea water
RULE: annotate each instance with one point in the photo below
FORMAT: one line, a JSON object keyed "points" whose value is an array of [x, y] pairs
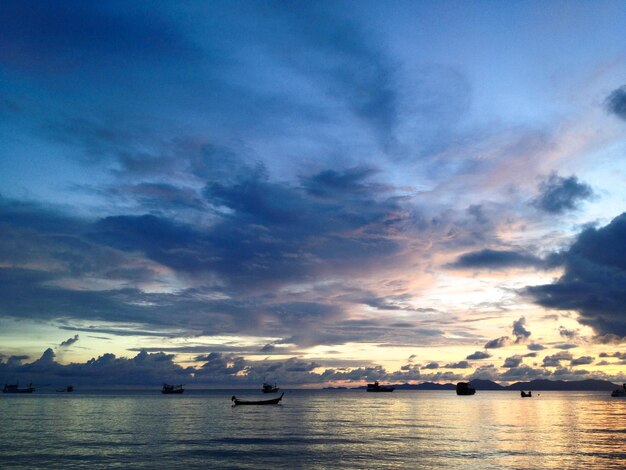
{"points": [[313, 429]]}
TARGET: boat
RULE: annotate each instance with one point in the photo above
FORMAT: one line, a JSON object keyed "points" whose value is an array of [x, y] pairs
{"points": [[620, 392], [172, 389], [274, 401], [463, 388], [16, 388], [376, 387], [526, 395], [269, 388], [68, 389]]}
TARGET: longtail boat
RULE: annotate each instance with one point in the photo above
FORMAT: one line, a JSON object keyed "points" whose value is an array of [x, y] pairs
{"points": [[16, 389], [274, 401]]}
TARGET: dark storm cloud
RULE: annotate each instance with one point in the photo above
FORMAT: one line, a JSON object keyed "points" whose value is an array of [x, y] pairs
{"points": [[616, 102], [69, 341], [266, 234], [519, 330], [496, 259], [558, 195], [593, 280], [272, 232], [478, 355], [497, 343]]}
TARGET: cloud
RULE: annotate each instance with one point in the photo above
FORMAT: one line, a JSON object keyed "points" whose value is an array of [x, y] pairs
{"points": [[513, 361], [266, 235], [583, 360], [519, 331], [523, 372], [496, 259], [558, 195], [555, 359], [431, 365], [568, 333], [458, 365], [497, 343], [478, 355], [565, 346], [593, 280], [619, 355], [616, 102], [535, 347], [69, 342]]}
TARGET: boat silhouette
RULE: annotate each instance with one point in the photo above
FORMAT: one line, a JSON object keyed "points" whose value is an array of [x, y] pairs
{"points": [[16, 388], [274, 401], [269, 388], [463, 388], [620, 392], [523, 394], [172, 389], [68, 389], [377, 387]]}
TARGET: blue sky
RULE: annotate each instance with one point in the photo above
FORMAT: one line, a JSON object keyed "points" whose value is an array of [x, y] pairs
{"points": [[312, 193]]}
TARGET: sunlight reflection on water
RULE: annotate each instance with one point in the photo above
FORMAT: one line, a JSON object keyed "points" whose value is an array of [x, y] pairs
{"points": [[314, 429]]}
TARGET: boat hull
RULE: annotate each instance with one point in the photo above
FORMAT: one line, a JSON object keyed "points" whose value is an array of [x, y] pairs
{"points": [[463, 388], [273, 401], [15, 389]]}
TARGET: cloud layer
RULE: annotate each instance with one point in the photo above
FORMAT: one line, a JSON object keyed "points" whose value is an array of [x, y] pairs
{"points": [[592, 284]]}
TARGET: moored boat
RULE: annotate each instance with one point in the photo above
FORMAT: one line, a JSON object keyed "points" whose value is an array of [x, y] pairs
{"points": [[269, 388], [463, 388], [274, 401], [16, 388], [377, 387], [68, 389], [526, 395], [620, 392], [172, 389]]}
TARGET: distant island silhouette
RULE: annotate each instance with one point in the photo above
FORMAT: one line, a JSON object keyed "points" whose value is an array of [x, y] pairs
{"points": [[589, 385]]}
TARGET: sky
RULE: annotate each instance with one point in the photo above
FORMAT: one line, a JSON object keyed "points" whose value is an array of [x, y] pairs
{"points": [[313, 193]]}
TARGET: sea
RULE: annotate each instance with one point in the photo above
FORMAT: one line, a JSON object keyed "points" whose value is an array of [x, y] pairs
{"points": [[313, 429]]}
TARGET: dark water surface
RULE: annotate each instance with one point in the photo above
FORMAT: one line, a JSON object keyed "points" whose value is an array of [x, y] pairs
{"points": [[313, 429]]}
